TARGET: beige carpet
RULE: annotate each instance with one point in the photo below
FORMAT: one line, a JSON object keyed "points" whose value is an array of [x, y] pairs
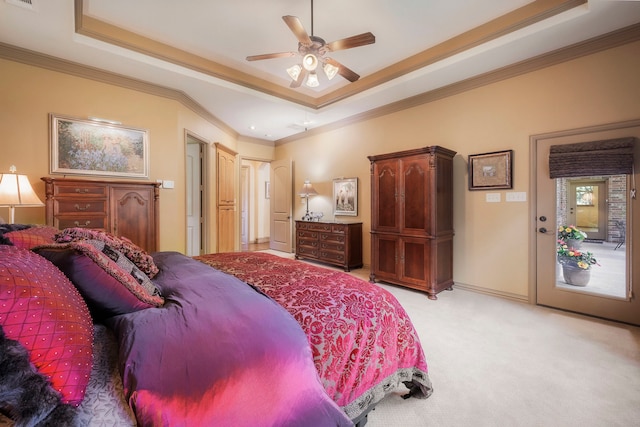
{"points": [[497, 362]]}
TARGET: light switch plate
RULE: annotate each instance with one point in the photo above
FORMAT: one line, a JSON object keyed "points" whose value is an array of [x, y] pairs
{"points": [[517, 196], [493, 197]]}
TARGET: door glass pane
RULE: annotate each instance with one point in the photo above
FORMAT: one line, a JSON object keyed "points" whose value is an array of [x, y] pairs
{"points": [[592, 214]]}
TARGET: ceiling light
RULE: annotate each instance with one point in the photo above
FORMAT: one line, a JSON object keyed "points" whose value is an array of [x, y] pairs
{"points": [[310, 62], [330, 70], [294, 71], [312, 80]]}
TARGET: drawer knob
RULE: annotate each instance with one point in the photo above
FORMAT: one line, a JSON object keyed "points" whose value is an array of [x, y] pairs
{"points": [[82, 190], [86, 223], [80, 208]]}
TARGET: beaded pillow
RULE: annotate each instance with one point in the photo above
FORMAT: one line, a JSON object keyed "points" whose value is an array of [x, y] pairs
{"points": [[41, 309], [32, 236], [109, 282], [136, 254]]}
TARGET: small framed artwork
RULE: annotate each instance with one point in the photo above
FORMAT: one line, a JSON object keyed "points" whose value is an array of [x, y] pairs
{"points": [[491, 171], [91, 147], [267, 190], [345, 196]]}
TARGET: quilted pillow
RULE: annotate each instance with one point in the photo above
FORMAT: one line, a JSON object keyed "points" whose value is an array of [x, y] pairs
{"points": [[42, 310], [33, 236], [136, 254], [8, 228], [109, 282]]}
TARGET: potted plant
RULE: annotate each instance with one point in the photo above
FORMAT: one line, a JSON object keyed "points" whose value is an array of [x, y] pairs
{"points": [[571, 236], [576, 264]]}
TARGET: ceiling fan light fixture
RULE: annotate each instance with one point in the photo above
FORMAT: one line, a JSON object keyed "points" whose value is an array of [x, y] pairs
{"points": [[310, 62], [312, 80], [294, 72], [330, 70]]}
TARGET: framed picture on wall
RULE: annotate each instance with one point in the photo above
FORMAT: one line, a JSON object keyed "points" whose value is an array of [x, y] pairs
{"points": [[491, 171], [345, 196], [92, 147]]}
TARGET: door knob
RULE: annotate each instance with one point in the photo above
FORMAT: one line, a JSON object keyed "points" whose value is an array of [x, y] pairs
{"points": [[543, 218], [542, 230]]}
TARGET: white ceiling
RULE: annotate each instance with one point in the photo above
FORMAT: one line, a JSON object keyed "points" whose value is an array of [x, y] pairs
{"points": [[225, 32]]}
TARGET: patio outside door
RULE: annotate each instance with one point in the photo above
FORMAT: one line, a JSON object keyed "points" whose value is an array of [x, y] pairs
{"points": [[611, 291]]}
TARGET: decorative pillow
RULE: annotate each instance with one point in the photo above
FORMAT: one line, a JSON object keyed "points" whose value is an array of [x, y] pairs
{"points": [[42, 310], [139, 256], [109, 282], [8, 228], [33, 236]]}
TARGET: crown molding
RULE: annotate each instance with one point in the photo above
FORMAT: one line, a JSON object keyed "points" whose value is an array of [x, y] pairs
{"points": [[608, 41]]}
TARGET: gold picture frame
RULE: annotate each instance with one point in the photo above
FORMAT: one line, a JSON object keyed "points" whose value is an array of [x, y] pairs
{"points": [[97, 147], [491, 171]]}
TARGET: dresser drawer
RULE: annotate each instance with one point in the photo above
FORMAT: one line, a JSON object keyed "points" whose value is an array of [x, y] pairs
{"points": [[332, 256], [64, 206], [307, 251], [77, 190], [332, 246], [303, 234], [98, 222], [318, 226], [308, 242], [332, 238]]}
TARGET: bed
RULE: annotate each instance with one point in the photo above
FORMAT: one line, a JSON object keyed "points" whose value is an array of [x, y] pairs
{"points": [[224, 339]]}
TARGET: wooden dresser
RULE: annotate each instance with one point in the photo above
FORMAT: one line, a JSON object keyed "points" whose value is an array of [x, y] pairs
{"points": [[337, 243], [412, 219], [122, 208]]}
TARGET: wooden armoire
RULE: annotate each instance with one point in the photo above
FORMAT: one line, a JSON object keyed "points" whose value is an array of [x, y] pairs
{"points": [[412, 219]]}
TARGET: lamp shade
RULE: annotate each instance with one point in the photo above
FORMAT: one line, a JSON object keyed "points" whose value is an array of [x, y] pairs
{"points": [[308, 190], [15, 190]]}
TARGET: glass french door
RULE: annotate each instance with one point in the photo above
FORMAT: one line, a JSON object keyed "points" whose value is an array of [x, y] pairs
{"points": [[596, 205]]}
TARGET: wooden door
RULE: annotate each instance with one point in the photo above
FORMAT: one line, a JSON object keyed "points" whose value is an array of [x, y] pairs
{"points": [[226, 179], [280, 198]]}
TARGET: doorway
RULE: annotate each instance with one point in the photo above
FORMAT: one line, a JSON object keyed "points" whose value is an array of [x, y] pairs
{"points": [[588, 208], [196, 190], [254, 204], [588, 201]]}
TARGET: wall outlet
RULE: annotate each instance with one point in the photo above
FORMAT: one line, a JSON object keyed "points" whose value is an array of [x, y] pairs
{"points": [[517, 196], [493, 197], [167, 184]]}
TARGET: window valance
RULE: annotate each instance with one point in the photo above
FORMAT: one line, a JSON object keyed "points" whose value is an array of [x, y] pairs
{"points": [[593, 158]]}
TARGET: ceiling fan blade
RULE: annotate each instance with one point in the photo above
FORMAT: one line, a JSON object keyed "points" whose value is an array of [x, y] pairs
{"points": [[348, 74], [271, 55], [298, 82], [350, 42], [298, 30]]}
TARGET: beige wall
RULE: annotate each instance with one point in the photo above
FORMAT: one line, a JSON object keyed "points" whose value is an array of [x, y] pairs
{"points": [[491, 241], [29, 94]]}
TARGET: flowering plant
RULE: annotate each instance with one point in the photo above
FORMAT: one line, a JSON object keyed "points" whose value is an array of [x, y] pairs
{"points": [[575, 257], [566, 232]]}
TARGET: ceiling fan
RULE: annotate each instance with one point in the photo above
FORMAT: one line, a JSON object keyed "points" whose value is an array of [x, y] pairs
{"points": [[313, 49]]}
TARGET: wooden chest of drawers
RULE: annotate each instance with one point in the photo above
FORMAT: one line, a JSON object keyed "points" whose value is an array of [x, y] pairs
{"points": [[337, 243], [123, 208]]}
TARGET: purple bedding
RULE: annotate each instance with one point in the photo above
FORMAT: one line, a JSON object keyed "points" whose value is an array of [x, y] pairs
{"points": [[218, 353]]}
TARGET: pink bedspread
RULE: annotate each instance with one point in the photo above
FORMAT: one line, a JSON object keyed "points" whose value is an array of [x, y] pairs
{"points": [[363, 342]]}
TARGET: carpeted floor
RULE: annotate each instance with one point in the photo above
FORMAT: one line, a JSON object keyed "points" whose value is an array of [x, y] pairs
{"points": [[497, 362]]}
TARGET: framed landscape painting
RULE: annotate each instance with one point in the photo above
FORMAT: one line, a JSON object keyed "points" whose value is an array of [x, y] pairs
{"points": [[90, 147]]}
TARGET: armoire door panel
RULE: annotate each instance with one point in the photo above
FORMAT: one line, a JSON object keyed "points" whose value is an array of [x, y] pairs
{"points": [[386, 206], [415, 263], [386, 261], [414, 194]]}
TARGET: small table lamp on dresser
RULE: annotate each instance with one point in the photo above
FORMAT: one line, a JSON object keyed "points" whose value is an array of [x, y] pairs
{"points": [[15, 190], [307, 190]]}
